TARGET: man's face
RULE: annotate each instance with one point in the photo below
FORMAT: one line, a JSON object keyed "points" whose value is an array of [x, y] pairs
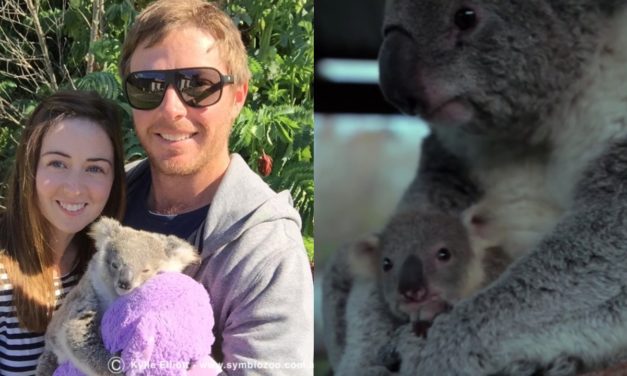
{"points": [[179, 139]]}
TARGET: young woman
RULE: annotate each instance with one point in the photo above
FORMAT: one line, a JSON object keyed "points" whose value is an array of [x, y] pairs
{"points": [[68, 170]]}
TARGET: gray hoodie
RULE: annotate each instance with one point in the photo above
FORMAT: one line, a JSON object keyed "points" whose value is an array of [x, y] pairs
{"points": [[256, 271]]}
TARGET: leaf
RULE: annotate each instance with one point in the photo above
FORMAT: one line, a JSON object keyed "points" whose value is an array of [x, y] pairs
{"points": [[298, 178], [6, 88], [104, 83], [106, 51], [309, 247]]}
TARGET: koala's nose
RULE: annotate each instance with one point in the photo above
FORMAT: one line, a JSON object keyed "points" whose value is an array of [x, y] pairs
{"points": [[125, 278], [398, 71], [411, 284], [124, 285]]}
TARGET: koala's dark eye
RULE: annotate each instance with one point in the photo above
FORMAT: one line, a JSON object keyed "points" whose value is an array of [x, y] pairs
{"points": [[387, 264], [114, 265], [465, 19], [443, 254], [145, 270]]}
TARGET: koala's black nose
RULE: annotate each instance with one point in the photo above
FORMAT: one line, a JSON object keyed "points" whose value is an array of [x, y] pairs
{"points": [[398, 72], [411, 282], [124, 285]]}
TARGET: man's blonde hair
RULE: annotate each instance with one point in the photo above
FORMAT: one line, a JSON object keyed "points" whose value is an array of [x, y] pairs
{"points": [[159, 18]]}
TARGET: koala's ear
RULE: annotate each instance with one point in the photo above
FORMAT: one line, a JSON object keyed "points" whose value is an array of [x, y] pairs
{"points": [[363, 257], [180, 253], [103, 230]]}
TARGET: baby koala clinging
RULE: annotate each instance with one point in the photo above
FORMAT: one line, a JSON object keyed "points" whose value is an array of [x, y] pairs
{"points": [[424, 263]]}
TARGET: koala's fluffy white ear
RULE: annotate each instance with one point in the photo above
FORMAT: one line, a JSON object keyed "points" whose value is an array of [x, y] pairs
{"points": [[363, 257], [102, 230], [180, 254]]}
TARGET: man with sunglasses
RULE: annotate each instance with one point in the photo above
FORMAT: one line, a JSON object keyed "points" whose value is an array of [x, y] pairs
{"points": [[186, 77]]}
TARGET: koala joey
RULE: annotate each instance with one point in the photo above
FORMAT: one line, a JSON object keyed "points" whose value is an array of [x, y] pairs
{"points": [[424, 264], [528, 95], [125, 258], [417, 267]]}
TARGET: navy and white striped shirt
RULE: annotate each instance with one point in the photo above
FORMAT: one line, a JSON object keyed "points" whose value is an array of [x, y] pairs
{"points": [[20, 348]]}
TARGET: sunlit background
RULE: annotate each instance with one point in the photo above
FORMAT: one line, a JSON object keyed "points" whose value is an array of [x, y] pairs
{"points": [[366, 152]]}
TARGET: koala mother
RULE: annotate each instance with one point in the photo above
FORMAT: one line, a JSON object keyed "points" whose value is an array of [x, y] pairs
{"points": [[528, 98]]}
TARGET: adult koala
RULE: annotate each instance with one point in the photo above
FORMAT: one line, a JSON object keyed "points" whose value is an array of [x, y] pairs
{"points": [[526, 97]]}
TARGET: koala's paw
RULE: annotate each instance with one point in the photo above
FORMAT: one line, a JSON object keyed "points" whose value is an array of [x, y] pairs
{"points": [[407, 354], [564, 366], [376, 371], [389, 358], [47, 364], [561, 366], [520, 368], [80, 329]]}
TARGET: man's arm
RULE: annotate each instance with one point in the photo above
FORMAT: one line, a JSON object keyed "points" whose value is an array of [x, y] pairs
{"points": [[269, 327]]}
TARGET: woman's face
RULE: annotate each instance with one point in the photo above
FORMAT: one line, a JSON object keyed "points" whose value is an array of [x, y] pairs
{"points": [[74, 175]]}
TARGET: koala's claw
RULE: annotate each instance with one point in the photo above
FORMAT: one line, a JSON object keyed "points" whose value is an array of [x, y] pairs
{"points": [[389, 358], [421, 328], [561, 366], [377, 371], [564, 365]]}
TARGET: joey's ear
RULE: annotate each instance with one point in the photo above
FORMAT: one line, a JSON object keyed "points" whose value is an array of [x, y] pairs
{"points": [[363, 257], [103, 230], [180, 253]]}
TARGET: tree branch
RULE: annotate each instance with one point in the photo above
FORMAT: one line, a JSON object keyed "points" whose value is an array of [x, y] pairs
{"points": [[94, 35], [33, 8]]}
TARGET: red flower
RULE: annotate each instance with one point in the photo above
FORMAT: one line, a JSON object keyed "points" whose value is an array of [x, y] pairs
{"points": [[264, 164]]}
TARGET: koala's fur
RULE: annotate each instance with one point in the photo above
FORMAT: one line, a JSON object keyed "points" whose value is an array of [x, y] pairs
{"points": [[527, 98], [512, 214], [401, 267], [125, 258]]}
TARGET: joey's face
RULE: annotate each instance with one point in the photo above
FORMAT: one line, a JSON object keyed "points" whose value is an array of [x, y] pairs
{"points": [[127, 258], [127, 273], [422, 265], [489, 67]]}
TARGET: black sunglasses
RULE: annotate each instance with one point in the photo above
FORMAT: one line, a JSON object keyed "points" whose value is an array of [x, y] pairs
{"points": [[197, 87]]}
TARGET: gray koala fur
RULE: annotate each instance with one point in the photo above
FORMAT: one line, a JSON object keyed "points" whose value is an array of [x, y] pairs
{"points": [[540, 83], [125, 258]]}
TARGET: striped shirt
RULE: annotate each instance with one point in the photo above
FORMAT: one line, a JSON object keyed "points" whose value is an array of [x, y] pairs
{"points": [[20, 348]]}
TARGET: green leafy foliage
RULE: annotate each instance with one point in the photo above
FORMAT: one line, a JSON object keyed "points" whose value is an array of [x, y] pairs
{"points": [[277, 119], [309, 246], [104, 83]]}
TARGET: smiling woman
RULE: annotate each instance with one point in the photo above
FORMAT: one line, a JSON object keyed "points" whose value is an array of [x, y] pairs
{"points": [[74, 176], [68, 171]]}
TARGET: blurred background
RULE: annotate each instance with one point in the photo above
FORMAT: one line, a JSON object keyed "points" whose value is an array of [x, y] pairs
{"points": [[366, 151]]}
